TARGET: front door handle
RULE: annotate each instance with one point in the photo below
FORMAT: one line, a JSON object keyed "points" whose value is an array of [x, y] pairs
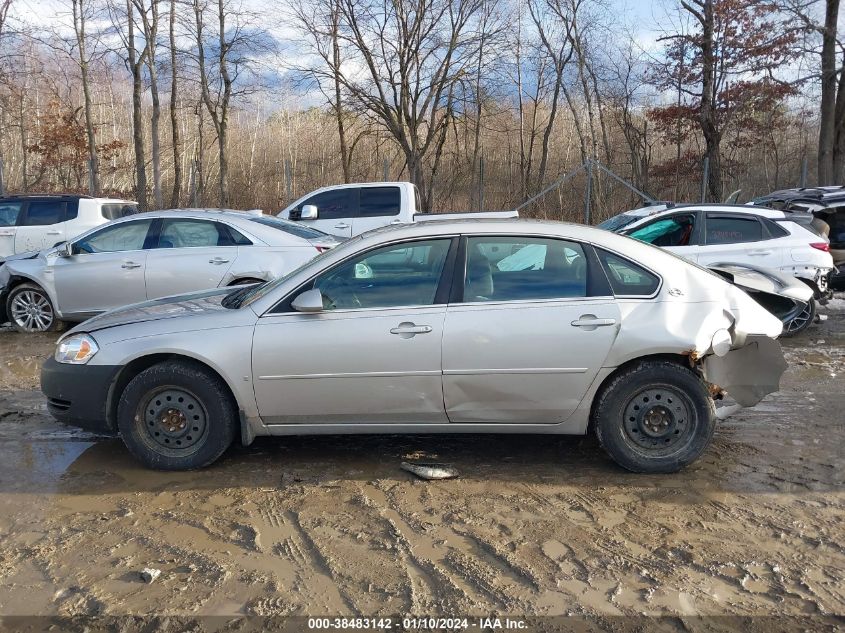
{"points": [[8, 233], [341, 225], [130, 265], [218, 260], [407, 329], [591, 322], [54, 232]]}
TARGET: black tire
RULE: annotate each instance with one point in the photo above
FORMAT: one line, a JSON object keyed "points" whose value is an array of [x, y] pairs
{"points": [[801, 322], [656, 417], [29, 309], [177, 416]]}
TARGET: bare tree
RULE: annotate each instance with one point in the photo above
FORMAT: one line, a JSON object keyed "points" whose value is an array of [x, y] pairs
{"points": [[405, 61], [174, 113], [83, 11], [149, 18]]}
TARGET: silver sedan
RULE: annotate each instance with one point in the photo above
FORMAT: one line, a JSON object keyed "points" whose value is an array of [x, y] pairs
{"points": [[149, 256], [440, 327]]}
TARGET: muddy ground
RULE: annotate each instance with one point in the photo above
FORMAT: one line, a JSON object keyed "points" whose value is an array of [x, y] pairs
{"points": [[331, 525]]}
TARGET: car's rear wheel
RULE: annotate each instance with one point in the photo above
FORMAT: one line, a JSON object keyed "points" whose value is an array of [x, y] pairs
{"points": [[801, 321], [29, 309], [176, 416], [656, 417]]}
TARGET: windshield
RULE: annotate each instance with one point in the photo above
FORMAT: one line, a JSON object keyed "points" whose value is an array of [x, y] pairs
{"points": [[619, 221], [305, 232]]}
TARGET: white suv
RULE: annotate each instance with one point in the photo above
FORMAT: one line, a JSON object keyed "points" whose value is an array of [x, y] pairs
{"points": [[36, 222], [710, 234]]}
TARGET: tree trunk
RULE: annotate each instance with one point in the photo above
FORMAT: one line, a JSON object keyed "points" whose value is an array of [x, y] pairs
{"points": [[79, 27], [707, 113], [176, 192], [135, 63], [839, 130], [827, 109], [338, 104]]}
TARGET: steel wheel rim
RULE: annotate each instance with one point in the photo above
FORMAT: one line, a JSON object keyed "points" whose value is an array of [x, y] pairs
{"points": [[174, 420], [659, 420], [32, 311], [800, 321]]}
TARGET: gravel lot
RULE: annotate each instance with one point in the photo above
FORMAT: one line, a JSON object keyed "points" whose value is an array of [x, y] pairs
{"points": [[331, 525]]}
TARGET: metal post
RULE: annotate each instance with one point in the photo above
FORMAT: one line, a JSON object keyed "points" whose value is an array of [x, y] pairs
{"points": [[705, 176], [91, 191], [588, 193], [2, 182], [288, 181], [194, 201], [385, 170], [481, 183], [803, 182]]}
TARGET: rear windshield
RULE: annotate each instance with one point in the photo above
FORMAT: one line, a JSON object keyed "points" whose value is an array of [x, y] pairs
{"points": [[305, 232], [619, 221], [116, 210]]}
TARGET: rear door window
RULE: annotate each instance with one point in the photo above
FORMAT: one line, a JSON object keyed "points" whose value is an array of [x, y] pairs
{"points": [[380, 201], [43, 213], [727, 229], [194, 234], [523, 268]]}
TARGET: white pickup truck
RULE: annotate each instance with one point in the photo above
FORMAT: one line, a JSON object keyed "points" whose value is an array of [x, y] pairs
{"points": [[352, 209]]}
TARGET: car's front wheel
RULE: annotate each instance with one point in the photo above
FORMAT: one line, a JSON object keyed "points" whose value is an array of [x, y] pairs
{"points": [[29, 309], [176, 416], [656, 417]]}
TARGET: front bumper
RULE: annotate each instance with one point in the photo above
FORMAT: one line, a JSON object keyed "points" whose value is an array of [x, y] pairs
{"points": [[78, 394]]}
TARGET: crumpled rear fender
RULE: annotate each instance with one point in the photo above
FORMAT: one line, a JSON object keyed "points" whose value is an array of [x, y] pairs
{"points": [[749, 373]]}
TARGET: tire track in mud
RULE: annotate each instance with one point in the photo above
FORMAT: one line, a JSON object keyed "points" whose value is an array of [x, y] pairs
{"points": [[481, 572]]}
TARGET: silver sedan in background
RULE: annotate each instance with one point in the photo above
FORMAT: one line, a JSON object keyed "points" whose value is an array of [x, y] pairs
{"points": [[148, 256], [438, 327]]}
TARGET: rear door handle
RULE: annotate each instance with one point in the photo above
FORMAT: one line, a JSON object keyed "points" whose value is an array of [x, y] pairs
{"points": [[408, 330], [760, 252], [54, 232], [218, 260], [591, 322], [342, 225], [130, 265]]}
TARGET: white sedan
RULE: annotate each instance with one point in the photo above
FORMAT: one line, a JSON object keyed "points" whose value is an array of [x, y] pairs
{"points": [[148, 256]]}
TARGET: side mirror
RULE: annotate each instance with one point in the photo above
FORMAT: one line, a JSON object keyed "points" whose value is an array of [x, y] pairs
{"points": [[309, 212], [308, 301], [65, 250]]}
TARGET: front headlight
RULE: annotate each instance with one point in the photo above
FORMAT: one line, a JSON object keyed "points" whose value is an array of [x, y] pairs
{"points": [[77, 349]]}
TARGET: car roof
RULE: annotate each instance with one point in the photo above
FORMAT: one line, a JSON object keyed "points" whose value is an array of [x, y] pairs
{"points": [[61, 196], [766, 212], [244, 220]]}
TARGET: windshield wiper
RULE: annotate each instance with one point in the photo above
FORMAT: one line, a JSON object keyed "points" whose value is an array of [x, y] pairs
{"points": [[234, 299]]}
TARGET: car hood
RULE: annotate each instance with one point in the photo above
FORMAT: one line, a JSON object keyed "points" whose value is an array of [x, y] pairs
{"points": [[193, 304], [20, 256]]}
